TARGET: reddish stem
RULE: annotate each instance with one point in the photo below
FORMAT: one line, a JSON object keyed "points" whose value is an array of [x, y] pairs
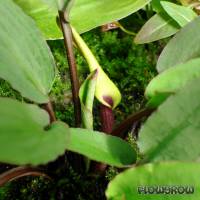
{"points": [[107, 123], [127, 123], [107, 119], [109, 26], [19, 172], [49, 108], [68, 40]]}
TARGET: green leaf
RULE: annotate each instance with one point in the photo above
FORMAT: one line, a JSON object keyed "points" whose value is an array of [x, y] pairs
{"points": [[86, 94], [96, 13], [44, 12], [172, 80], [101, 147], [156, 5], [156, 100], [106, 91], [171, 131], [25, 59], [183, 47], [23, 138], [84, 16], [181, 14], [130, 183], [158, 27]]}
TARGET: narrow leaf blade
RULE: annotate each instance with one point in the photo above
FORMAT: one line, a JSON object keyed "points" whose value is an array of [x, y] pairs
{"points": [[158, 27], [181, 14], [86, 94]]}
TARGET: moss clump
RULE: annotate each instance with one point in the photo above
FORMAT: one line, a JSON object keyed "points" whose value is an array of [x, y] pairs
{"points": [[7, 91], [130, 66], [65, 184]]}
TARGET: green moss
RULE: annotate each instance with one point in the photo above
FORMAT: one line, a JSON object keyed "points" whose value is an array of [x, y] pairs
{"points": [[130, 66], [65, 184], [7, 91], [111, 173]]}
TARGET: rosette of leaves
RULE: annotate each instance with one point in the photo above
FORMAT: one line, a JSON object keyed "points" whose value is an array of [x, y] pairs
{"points": [[26, 135]]}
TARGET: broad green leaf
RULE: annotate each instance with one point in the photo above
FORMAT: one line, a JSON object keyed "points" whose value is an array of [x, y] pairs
{"points": [[84, 16], [172, 80], [96, 13], [132, 184], [181, 14], [101, 147], [158, 27], [86, 94], [44, 12], [106, 91], [23, 138], [171, 131], [25, 59], [183, 47]]}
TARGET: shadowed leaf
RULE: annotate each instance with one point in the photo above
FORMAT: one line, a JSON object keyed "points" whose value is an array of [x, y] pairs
{"points": [[171, 131], [183, 47]]}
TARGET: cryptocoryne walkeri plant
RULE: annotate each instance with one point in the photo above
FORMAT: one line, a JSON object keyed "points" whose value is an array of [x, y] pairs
{"points": [[29, 132]]}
